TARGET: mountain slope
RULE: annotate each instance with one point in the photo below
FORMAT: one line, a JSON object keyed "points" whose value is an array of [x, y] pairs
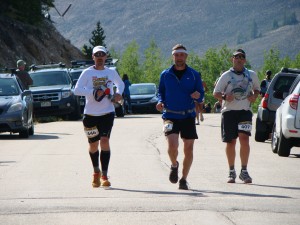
{"points": [[198, 24], [36, 45]]}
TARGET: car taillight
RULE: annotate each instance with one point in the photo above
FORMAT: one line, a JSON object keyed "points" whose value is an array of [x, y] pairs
{"points": [[294, 101], [264, 101]]}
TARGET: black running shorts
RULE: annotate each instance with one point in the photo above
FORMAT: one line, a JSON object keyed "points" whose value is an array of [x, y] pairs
{"points": [[186, 128], [234, 122], [96, 127]]}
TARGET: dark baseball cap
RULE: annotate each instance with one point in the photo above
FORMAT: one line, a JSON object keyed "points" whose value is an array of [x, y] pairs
{"points": [[239, 51]]}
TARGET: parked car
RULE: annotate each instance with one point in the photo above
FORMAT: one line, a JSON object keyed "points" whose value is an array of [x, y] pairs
{"points": [[286, 129], [143, 97], [53, 92], [16, 106], [279, 87]]}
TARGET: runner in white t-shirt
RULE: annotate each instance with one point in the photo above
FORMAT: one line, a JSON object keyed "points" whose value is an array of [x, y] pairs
{"points": [[96, 84], [238, 88]]}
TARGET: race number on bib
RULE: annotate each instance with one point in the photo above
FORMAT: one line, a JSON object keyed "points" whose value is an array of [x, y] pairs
{"points": [[91, 132], [247, 127]]}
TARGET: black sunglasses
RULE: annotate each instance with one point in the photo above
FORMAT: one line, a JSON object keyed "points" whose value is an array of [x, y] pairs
{"points": [[100, 54], [239, 56]]}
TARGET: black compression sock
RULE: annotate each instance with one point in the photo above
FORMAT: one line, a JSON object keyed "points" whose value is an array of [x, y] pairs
{"points": [[95, 161], [104, 158]]}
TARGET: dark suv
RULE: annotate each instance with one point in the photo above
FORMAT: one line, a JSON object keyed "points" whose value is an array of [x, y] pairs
{"points": [[53, 93], [277, 90]]}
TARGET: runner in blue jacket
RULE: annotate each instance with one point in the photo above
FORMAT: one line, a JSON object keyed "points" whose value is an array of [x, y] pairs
{"points": [[179, 87]]}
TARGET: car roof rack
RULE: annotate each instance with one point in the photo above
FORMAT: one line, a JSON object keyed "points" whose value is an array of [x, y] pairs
{"points": [[34, 67], [12, 71], [81, 63], [290, 70]]}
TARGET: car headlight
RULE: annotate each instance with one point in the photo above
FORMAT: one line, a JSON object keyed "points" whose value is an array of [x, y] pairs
{"points": [[66, 94], [154, 99], [15, 107]]}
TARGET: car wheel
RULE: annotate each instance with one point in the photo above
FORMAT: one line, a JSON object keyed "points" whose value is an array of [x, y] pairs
{"points": [[119, 111], [274, 141], [261, 133], [31, 129], [24, 133], [284, 146]]}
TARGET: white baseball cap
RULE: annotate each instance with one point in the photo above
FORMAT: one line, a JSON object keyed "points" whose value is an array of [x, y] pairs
{"points": [[99, 49]]}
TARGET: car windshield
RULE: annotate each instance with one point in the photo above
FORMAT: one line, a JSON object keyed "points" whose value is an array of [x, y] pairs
{"points": [[75, 74], [49, 78], [8, 87], [142, 89]]}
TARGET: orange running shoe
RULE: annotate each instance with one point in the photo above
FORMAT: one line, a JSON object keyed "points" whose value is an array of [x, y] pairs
{"points": [[104, 181], [96, 180]]}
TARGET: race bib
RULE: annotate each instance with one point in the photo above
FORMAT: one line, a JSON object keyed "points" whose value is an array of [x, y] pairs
{"points": [[168, 126], [91, 132], [245, 126]]}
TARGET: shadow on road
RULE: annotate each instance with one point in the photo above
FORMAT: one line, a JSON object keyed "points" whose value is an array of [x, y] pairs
{"points": [[5, 163], [201, 193], [34, 137], [242, 194], [194, 193]]}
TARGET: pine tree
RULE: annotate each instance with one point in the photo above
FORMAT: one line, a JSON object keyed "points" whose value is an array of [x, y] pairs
{"points": [[98, 38]]}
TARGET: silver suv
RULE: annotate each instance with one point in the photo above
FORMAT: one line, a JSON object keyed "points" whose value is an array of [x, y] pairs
{"points": [[277, 91]]}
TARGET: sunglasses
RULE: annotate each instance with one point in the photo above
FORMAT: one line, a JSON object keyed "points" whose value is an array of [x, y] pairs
{"points": [[100, 54], [239, 57]]}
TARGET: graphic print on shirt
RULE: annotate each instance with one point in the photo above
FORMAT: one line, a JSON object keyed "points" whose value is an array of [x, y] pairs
{"points": [[104, 84], [241, 89]]}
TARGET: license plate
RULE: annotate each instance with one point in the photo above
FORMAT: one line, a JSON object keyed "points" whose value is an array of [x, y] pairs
{"points": [[45, 104]]}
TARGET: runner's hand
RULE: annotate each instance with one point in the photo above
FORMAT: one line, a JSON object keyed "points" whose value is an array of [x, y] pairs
{"points": [[195, 95], [159, 106]]}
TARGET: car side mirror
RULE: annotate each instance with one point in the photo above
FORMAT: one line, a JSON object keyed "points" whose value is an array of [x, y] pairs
{"points": [[26, 92], [74, 82]]}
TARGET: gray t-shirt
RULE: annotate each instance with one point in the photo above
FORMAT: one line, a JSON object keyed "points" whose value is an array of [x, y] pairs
{"points": [[241, 86]]}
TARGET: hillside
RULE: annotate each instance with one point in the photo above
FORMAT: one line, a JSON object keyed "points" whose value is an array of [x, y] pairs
{"points": [[36, 45], [198, 24]]}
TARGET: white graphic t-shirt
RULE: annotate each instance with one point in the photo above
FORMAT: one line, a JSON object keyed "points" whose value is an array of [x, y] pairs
{"points": [[91, 79], [241, 86]]}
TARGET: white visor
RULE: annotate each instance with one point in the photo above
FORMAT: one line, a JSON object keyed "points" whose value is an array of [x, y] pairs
{"points": [[179, 50]]}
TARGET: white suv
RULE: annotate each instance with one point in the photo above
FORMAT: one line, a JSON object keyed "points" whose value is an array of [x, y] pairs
{"points": [[286, 129], [279, 86]]}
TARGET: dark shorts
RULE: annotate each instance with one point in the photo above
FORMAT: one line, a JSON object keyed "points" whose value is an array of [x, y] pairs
{"points": [[96, 127], [235, 122], [186, 128]]}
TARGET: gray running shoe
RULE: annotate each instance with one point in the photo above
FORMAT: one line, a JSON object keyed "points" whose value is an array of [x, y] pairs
{"points": [[244, 176], [183, 184], [232, 176], [173, 177]]}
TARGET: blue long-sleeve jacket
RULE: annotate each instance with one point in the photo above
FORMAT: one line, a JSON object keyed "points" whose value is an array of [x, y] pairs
{"points": [[176, 94]]}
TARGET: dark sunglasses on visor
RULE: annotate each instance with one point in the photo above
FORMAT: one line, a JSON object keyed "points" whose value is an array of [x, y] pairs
{"points": [[100, 54], [239, 57]]}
